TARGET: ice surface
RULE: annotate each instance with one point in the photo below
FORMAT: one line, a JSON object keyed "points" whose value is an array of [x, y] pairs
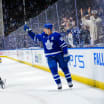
{"points": [[28, 85]]}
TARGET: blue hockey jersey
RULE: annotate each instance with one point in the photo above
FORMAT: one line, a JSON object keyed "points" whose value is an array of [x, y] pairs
{"points": [[53, 44], [75, 31]]}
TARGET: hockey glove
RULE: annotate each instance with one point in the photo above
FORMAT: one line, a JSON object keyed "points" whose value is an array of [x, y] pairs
{"points": [[26, 28], [66, 58]]}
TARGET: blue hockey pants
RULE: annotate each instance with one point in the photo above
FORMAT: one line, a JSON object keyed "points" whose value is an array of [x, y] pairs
{"points": [[53, 62]]}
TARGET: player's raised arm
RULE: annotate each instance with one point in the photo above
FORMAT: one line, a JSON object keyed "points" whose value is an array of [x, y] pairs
{"points": [[32, 34]]}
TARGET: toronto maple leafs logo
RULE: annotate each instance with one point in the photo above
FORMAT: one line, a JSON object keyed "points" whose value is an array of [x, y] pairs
{"points": [[49, 45]]}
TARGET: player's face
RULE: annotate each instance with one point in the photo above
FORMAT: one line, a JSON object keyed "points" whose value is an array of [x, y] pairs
{"points": [[47, 31]]}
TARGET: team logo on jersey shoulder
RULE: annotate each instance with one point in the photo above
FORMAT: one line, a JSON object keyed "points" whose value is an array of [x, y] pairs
{"points": [[49, 44], [52, 38], [61, 38], [43, 36]]}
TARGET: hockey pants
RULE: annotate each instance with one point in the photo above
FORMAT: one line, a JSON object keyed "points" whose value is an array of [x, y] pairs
{"points": [[53, 62]]}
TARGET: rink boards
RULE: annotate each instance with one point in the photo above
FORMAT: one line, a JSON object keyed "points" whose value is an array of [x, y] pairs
{"points": [[86, 64]]}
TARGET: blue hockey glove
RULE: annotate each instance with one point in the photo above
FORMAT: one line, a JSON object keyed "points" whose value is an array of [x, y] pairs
{"points": [[66, 58], [26, 28]]}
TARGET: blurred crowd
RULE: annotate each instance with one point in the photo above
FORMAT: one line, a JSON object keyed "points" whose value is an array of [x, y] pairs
{"points": [[80, 26], [14, 14], [88, 32]]}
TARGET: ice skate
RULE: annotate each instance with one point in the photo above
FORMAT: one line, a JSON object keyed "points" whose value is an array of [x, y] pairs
{"points": [[70, 85], [59, 86]]}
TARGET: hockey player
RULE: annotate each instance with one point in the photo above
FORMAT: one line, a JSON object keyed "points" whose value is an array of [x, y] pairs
{"points": [[2, 83], [56, 52]]}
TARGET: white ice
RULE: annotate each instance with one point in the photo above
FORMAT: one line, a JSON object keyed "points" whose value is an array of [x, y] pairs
{"points": [[28, 85]]}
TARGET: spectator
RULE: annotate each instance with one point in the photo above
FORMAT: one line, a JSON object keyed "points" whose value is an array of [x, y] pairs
{"points": [[94, 23], [75, 34], [84, 36]]}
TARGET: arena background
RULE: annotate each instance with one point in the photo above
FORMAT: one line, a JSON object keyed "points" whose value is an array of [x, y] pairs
{"points": [[63, 14]]}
